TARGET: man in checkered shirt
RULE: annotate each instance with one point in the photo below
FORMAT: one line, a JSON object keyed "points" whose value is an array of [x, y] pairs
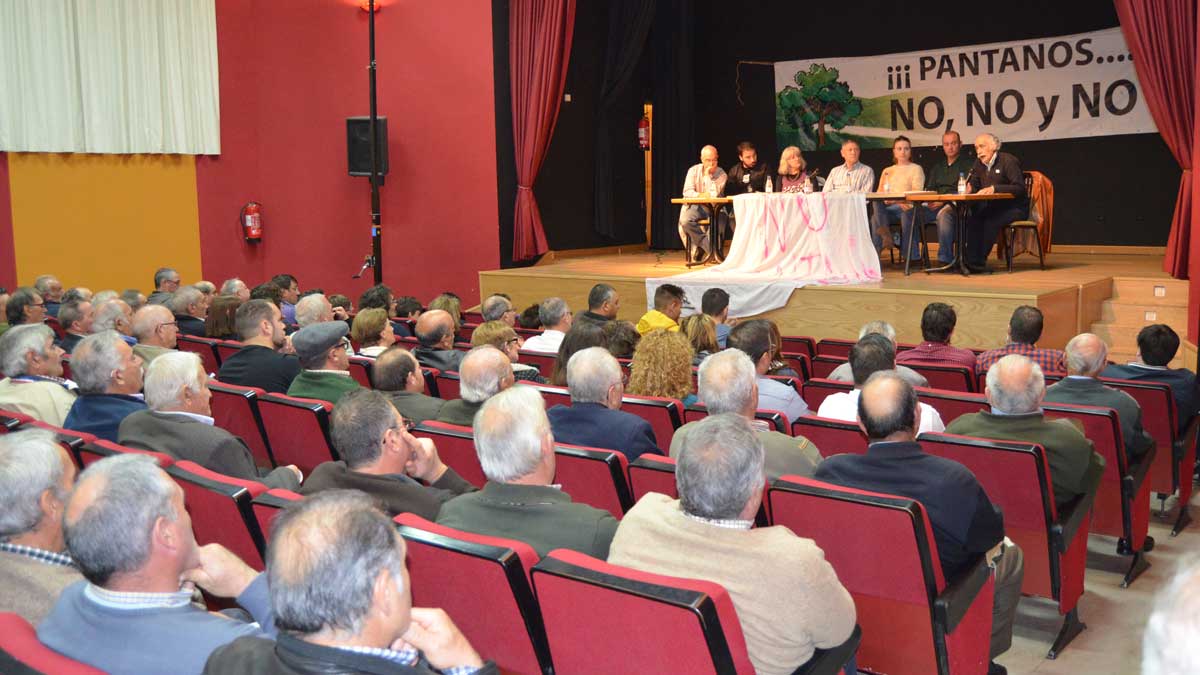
{"points": [[1024, 330]]}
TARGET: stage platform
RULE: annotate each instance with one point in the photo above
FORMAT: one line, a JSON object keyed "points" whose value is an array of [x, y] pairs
{"points": [[1071, 292]]}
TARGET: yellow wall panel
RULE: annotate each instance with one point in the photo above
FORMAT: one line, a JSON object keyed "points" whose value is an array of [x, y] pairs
{"points": [[104, 221]]}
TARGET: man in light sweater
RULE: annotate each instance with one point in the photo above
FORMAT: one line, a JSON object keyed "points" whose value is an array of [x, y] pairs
{"points": [[131, 536], [787, 597]]}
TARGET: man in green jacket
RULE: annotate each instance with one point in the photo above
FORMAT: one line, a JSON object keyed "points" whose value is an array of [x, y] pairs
{"points": [[325, 373], [942, 177]]}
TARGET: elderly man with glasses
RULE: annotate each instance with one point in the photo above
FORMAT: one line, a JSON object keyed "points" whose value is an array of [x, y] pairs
{"points": [[156, 331]]}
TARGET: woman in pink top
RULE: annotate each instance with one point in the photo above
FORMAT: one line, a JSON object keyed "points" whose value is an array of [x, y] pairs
{"points": [[903, 176]]}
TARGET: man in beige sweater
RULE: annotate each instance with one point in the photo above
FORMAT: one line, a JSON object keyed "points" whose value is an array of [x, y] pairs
{"points": [[788, 598], [35, 477]]}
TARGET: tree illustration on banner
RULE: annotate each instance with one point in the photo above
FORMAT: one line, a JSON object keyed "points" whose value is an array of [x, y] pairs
{"points": [[819, 101]]}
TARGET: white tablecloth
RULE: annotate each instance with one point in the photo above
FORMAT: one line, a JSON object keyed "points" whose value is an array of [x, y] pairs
{"points": [[784, 242]]}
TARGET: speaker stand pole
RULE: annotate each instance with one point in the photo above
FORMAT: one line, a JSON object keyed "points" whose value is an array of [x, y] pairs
{"points": [[376, 228]]}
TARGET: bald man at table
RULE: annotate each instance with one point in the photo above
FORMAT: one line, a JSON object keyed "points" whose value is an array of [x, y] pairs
{"points": [[705, 179], [993, 172]]}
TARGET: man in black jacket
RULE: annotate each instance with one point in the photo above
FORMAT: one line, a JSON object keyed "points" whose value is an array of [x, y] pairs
{"points": [[994, 172], [261, 362]]}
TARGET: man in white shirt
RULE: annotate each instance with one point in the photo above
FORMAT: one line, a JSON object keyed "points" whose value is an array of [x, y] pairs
{"points": [[705, 179], [754, 338], [873, 353], [556, 319], [851, 176]]}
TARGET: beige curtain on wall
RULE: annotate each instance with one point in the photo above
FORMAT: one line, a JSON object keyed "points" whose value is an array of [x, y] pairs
{"points": [[109, 76]]}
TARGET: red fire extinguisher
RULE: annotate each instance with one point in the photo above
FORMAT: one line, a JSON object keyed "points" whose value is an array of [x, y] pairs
{"points": [[251, 222], [644, 133]]}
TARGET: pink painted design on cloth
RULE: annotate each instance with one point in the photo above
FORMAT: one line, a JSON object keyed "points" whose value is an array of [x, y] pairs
{"points": [[805, 214]]}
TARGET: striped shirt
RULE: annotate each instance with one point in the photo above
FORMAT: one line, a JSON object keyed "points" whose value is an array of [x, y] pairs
{"points": [[1050, 360], [40, 555], [405, 656]]}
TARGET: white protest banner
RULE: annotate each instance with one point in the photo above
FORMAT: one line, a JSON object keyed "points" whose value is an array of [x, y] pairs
{"points": [[1058, 87]]}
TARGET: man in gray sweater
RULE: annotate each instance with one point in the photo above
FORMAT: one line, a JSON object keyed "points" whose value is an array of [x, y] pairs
{"points": [[129, 532]]}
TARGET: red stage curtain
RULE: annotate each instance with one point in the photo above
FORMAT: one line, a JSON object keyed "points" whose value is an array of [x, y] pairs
{"points": [[1161, 35], [539, 48]]}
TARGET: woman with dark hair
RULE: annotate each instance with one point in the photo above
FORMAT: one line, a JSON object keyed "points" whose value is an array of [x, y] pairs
{"points": [[581, 336], [220, 322], [621, 338], [372, 331]]}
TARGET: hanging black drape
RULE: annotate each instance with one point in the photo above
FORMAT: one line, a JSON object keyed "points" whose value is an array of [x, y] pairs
{"points": [[629, 23], [674, 133]]}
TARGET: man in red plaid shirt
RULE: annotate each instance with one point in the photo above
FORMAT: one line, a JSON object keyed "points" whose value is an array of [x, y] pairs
{"points": [[1024, 330], [937, 326]]}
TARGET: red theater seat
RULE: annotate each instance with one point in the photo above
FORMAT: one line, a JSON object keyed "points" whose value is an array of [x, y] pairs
{"points": [[448, 385], [205, 348], [594, 476], [799, 344], [832, 437], [835, 347], [221, 510], [19, 641], [949, 378], [543, 361], [94, 451], [360, 370], [235, 409], [267, 505], [823, 365], [952, 404], [665, 415], [297, 430], [652, 473], [456, 447], [227, 348], [777, 420], [815, 391]]}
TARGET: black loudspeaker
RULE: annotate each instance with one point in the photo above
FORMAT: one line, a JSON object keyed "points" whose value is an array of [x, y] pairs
{"points": [[358, 145]]}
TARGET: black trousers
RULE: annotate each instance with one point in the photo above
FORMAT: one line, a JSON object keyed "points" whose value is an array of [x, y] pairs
{"points": [[984, 226]]}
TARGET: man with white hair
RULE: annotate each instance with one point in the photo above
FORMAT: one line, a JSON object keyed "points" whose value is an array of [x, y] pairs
{"points": [[115, 315], [1015, 390], [208, 288], [498, 308], [236, 287], [788, 598], [34, 384], [595, 419], [129, 531], [519, 501], [334, 622], [51, 290], [110, 381], [1087, 356], [378, 456], [556, 321], [312, 309], [844, 373], [166, 282], [134, 298], [727, 385], [994, 172], [189, 307], [1174, 625], [157, 332], [703, 179], [76, 321], [36, 475], [485, 372], [179, 423], [873, 353]]}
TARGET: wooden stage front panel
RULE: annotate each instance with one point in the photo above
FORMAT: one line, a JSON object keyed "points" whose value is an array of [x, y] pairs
{"points": [[1070, 293]]}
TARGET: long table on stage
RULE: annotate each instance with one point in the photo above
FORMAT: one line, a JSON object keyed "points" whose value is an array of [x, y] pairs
{"points": [[961, 203]]}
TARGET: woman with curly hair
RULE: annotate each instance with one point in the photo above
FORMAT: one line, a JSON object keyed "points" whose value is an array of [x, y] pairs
{"points": [[662, 366], [372, 331], [701, 331], [581, 336], [502, 336]]}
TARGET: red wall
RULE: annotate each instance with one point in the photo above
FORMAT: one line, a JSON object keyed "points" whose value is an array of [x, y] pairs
{"points": [[291, 72]]}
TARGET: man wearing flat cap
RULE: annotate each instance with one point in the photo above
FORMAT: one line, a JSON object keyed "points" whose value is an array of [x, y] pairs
{"points": [[325, 373]]}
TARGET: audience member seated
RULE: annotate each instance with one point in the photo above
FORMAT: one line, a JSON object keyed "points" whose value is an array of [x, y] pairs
{"points": [[529, 318], [208, 289], [435, 331], [485, 372], [342, 303], [581, 336], [621, 338], [715, 305], [316, 308], [381, 458], [51, 290], [603, 304], [594, 418], [662, 366], [903, 176], [778, 365], [109, 375], [221, 323], [668, 305], [1015, 390], [502, 336], [516, 451], [166, 282], [289, 295], [498, 308], [76, 320], [179, 423], [260, 362], [189, 308], [75, 294], [236, 287], [843, 373], [333, 622], [852, 175], [1157, 346], [397, 374], [937, 327], [701, 332], [754, 339], [1172, 625], [1024, 330], [268, 291], [133, 297], [727, 385], [157, 332], [407, 307], [129, 532], [449, 303], [105, 295], [36, 475], [325, 366], [115, 315], [872, 354], [34, 384], [378, 296], [705, 179], [25, 306], [965, 522], [372, 331], [556, 321], [787, 597], [1086, 356]]}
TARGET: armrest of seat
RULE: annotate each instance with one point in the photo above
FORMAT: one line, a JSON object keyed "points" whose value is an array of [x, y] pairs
{"points": [[1138, 473], [1072, 516], [952, 604], [831, 661], [1189, 436]]}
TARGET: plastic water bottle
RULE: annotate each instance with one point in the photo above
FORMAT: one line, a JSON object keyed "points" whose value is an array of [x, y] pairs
{"points": [[887, 187], [962, 184], [807, 184], [769, 187]]}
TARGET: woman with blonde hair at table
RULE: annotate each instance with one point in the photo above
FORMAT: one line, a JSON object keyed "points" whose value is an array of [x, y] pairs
{"points": [[791, 175]]}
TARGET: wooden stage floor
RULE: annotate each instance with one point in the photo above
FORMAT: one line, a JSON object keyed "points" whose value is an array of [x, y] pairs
{"points": [[1070, 292]]}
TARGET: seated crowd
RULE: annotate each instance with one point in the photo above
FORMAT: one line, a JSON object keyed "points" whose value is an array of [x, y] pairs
{"points": [[106, 564]]}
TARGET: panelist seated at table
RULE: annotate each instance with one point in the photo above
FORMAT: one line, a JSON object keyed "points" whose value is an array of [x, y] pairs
{"points": [[705, 179], [792, 176], [748, 175], [942, 178], [903, 176], [851, 176], [994, 172]]}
